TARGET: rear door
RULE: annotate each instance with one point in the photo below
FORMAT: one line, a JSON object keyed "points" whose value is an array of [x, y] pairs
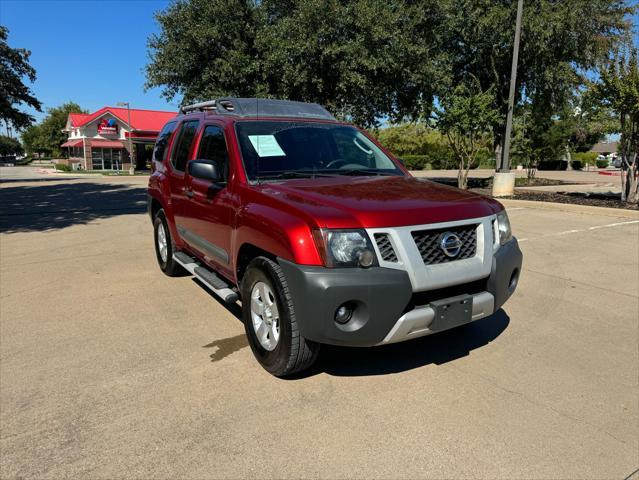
{"points": [[180, 153], [210, 213]]}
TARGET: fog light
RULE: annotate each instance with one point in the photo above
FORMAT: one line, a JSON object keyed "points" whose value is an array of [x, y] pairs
{"points": [[514, 278], [344, 313], [366, 258]]}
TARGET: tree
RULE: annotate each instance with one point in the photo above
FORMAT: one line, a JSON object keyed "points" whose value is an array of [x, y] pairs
{"points": [[9, 146], [466, 117], [206, 49], [618, 88], [47, 136], [14, 66], [34, 142], [560, 41], [53, 124], [358, 57]]}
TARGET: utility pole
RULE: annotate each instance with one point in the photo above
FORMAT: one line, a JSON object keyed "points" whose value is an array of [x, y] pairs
{"points": [[504, 181], [128, 108]]}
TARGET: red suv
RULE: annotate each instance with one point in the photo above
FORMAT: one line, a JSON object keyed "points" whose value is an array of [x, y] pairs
{"points": [[319, 232]]}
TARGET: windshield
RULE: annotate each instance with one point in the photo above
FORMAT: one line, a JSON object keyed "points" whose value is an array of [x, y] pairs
{"points": [[272, 150]]}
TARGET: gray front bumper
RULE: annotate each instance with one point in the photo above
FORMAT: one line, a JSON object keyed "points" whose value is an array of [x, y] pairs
{"points": [[382, 296]]}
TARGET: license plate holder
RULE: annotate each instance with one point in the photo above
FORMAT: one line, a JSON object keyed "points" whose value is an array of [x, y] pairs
{"points": [[451, 312]]}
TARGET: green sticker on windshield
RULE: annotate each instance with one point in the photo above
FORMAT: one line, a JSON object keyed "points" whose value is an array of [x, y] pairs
{"points": [[266, 146]]}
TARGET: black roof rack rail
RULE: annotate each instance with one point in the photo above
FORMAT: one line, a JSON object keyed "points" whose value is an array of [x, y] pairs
{"points": [[256, 107]]}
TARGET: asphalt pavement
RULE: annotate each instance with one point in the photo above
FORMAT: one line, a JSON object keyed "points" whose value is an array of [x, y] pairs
{"points": [[109, 369]]}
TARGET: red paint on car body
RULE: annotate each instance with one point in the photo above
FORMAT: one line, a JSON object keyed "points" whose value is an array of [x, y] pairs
{"points": [[279, 217]]}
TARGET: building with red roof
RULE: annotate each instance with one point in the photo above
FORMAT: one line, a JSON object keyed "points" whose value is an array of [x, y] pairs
{"points": [[109, 138]]}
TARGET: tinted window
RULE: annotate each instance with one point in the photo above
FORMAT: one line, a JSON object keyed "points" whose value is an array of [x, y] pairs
{"points": [[185, 138], [160, 151], [213, 147]]}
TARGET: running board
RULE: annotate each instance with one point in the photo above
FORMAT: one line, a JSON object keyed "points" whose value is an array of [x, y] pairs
{"points": [[210, 280]]}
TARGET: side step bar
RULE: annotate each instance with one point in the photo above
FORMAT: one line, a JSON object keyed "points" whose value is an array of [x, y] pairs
{"points": [[214, 283]]}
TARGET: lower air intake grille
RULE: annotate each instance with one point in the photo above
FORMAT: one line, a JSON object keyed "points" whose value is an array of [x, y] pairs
{"points": [[385, 247], [429, 244]]}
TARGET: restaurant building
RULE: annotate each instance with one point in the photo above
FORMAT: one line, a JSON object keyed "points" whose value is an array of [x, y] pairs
{"points": [[100, 140]]}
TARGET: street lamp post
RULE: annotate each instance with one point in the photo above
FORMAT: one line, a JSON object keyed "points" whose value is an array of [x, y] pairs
{"points": [[128, 108], [504, 181]]}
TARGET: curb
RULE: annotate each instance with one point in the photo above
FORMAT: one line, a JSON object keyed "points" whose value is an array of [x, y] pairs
{"points": [[567, 207]]}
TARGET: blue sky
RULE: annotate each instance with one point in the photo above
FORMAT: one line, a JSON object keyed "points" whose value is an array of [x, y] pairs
{"points": [[86, 51]]}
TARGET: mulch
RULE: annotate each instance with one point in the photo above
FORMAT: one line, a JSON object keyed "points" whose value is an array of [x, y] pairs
{"points": [[576, 198]]}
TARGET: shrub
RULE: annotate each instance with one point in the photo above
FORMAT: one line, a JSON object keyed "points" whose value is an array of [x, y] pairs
{"points": [[602, 163], [552, 165], [415, 162], [586, 158], [576, 165], [62, 167]]}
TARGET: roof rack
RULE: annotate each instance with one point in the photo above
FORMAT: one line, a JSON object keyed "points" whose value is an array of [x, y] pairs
{"points": [[256, 107]]}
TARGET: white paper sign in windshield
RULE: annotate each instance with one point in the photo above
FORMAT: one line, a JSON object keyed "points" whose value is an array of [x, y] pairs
{"points": [[266, 146]]}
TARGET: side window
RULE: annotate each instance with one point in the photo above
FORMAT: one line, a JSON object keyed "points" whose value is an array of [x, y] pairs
{"points": [[183, 143], [213, 147], [160, 151]]}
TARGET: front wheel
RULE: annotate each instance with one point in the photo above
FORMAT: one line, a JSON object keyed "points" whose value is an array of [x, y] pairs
{"points": [[164, 246], [270, 322]]}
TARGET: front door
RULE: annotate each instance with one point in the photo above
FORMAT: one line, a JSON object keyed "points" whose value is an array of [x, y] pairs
{"points": [[211, 211], [182, 147]]}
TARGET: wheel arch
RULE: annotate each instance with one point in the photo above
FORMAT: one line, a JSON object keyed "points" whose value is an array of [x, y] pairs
{"points": [[245, 254]]}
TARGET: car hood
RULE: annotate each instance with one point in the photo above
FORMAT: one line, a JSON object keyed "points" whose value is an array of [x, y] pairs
{"points": [[374, 202]]}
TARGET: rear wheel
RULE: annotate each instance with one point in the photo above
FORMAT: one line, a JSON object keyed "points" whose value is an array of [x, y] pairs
{"points": [[270, 322], [164, 246]]}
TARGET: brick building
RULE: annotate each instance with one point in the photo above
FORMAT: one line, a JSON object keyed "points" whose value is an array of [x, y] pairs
{"points": [[100, 140]]}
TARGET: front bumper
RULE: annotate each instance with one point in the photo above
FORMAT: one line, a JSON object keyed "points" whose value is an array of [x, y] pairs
{"points": [[385, 305]]}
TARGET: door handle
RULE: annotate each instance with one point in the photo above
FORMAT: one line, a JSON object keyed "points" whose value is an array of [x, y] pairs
{"points": [[188, 192]]}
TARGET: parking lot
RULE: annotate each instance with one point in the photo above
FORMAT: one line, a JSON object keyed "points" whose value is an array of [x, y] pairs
{"points": [[108, 368]]}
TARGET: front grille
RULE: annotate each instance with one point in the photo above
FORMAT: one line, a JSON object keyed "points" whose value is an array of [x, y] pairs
{"points": [[428, 244], [385, 247]]}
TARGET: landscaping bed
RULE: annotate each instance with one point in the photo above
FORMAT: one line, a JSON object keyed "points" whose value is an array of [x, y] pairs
{"points": [[610, 200], [484, 185]]}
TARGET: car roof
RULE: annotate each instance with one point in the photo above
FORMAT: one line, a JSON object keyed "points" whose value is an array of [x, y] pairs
{"points": [[256, 109]]}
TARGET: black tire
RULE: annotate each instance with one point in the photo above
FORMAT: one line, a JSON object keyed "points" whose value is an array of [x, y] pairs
{"points": [[293, 352], [168, 266]]}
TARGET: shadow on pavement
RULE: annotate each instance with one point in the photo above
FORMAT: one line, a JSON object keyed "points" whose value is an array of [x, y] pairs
{"points": [[32, 208], [435, 349]]}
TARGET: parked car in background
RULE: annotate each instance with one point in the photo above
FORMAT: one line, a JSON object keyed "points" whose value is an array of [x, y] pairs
{"points": [[321, 234]]}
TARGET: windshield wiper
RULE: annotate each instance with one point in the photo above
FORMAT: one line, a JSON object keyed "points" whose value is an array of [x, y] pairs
{"points": [[291, 174], [363, 172]]}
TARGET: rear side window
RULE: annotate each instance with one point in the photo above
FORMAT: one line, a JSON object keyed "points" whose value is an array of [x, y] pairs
{"points": [[213, 147], [160, 150], [183, 144]]}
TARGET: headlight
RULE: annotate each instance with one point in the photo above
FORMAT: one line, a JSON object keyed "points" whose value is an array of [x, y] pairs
{"points": [[345, 248], [503, 224]]}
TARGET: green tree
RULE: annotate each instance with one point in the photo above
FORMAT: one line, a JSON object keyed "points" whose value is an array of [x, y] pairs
{"points": [[466, 117], [54, 122], [560, 41], [206, 49], [33, 141], [619, 89], [9, 146], [14, 67], [358, 58], [47, 136]]}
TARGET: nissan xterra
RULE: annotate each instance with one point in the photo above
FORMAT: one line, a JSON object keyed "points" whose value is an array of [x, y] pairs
{"points": [[319, 232]]}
